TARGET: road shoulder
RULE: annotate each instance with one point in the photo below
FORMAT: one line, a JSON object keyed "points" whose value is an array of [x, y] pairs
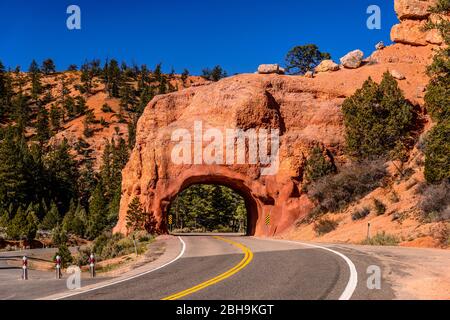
{"points": [[174, 249]]}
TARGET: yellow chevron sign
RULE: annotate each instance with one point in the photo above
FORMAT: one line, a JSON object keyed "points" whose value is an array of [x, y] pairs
{"points": [[267, 220], [170, 219]]}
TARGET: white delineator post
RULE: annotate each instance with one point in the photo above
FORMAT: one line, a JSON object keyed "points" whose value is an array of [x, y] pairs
{"points": [[24, 268], [58, 267], [92, 265]]}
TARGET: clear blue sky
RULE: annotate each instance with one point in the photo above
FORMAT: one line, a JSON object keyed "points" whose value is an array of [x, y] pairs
{"points": [[237, 34]]}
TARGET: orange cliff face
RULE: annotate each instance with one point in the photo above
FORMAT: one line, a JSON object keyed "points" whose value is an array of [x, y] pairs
{"points": [[115, 127], [304, 110]]}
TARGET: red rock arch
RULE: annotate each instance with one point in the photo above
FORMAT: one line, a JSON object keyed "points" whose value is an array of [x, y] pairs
{"points": [[254, 209], [303, 117]]}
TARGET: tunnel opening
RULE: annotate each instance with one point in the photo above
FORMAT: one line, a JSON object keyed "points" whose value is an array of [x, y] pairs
{"points": [[205, 206]]}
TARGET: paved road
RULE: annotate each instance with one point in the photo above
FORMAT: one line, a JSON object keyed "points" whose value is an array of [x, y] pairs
{"points": [[236, 267]]}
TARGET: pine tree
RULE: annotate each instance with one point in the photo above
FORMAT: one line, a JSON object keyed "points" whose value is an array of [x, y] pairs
{"points": [[35, 75], [318, 165], [65, 255], [215, 74], [3, 106], [106, 170], [2, 81], [21, 111], [437, 153], [136, 217], [80, 105], [52, 218], [120, 156], [301, 59], [127, 97], [15, 226], [437, 101], [55, 118], [6, 91], [144, 78], [146, 96], [74, 220], [376, 117], [59, 236], [157, 73], [4, 218], [23, 226], [72, 67], [97, 218], [162, 88], [69, 107], [31, 227], [87, 77], [13, 170], [185, 75], [132, 132], [63, 173], [112, 76], [86, 183], [42, 126], [114, 206], [48, 66]]}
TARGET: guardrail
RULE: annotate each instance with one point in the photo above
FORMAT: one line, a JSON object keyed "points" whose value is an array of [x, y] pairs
{"points": [[57, 262]]}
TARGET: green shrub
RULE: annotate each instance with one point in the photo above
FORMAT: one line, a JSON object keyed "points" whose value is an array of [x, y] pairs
{"points": [[360, 214], [82, 258], [100, 243], [66, 256], [380, 208], [376, 118], [318, 165], [435, 202], [108, 246], [382, 239], [335, 192], [23, 225], [142, 236], [324, 226], [106, 108], [437, 153], [437, 101], [302, 59], [59, 236], [104, 123], [393, 197]]}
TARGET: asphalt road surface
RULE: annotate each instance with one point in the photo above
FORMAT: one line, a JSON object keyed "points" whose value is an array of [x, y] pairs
{"points": [[247, 268]]}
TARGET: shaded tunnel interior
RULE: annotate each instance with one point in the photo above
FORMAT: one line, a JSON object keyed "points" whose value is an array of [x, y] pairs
{"points": [[212, 204]]}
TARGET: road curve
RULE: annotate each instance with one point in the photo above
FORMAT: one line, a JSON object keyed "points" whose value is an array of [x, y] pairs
{"points": [[277, 270]]}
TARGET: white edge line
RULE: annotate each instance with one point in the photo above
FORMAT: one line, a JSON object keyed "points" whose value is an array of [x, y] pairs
{"points": [[353, 279], [183, 249]]}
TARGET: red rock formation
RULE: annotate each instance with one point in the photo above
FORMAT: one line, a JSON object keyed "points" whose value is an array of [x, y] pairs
{"points": [[306, 111], [413, 15]]}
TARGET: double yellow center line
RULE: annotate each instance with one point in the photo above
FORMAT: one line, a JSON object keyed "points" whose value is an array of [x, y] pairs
{"points": [[248, 256]]}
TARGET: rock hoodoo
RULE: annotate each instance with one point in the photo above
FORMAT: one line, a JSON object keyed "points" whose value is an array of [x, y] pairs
{"points": [[327, 65], [352, 60], [413, 15], [270, 69], [305, 111]]}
